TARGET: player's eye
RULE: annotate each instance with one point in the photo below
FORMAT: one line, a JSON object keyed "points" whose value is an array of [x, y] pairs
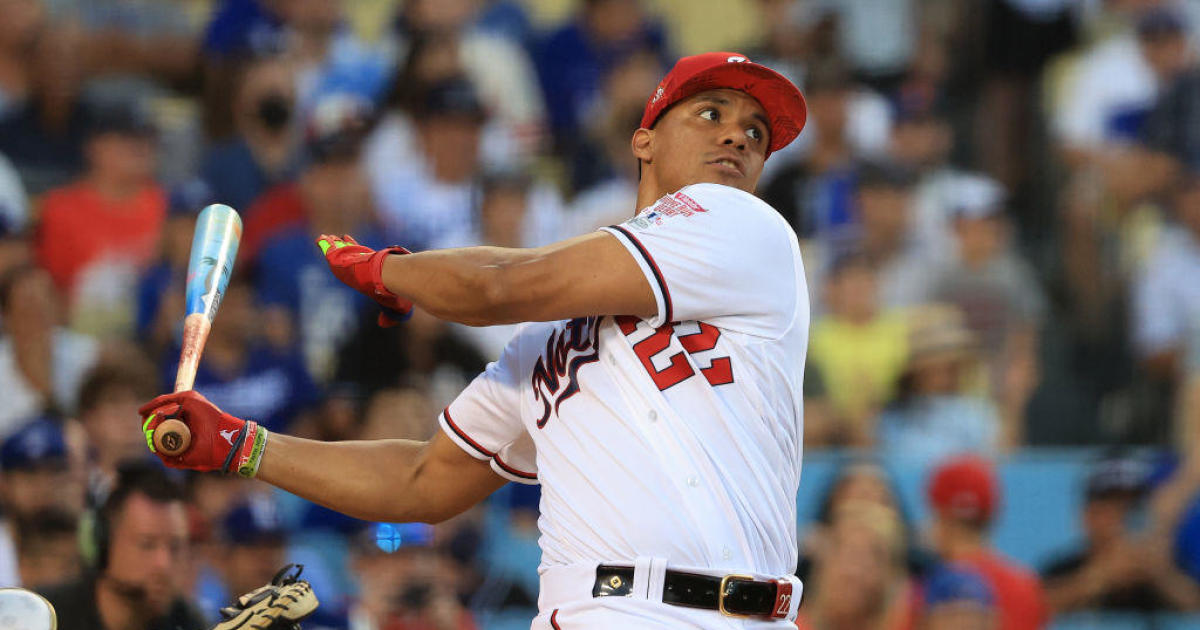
{"points": [[755, 133], [710, 113]]}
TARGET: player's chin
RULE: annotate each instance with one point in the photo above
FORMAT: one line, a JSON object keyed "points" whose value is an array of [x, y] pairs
{"points": [[727, 176]]}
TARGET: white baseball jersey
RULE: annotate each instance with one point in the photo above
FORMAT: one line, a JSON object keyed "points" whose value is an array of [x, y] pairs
{"points": [[677, 437]]}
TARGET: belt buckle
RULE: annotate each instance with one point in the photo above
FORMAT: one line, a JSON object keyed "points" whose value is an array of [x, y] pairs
{"points": [[732, 577]]}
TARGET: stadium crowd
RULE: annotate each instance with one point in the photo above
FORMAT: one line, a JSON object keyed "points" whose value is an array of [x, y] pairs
{"points": [[998, 203]]}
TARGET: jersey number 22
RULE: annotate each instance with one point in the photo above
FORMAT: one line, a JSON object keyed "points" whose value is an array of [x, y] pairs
{"points": [[718, 372]]}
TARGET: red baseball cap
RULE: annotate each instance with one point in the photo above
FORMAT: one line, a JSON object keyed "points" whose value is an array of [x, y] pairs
{"points": [[965, 488], [781, 99]]}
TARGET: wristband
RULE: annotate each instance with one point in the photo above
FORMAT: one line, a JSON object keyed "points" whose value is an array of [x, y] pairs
{"points": [[247, 451], [252, 451]]}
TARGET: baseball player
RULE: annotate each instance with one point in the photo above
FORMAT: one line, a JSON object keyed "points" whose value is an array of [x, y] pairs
{"points": [[656, 397]]}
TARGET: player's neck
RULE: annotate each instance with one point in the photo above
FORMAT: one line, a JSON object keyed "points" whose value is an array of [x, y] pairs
{"points": [[650, 189]]}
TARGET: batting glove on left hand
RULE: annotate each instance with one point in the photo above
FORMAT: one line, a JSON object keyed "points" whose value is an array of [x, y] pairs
{"points": [[220, 441], [361, 267]]}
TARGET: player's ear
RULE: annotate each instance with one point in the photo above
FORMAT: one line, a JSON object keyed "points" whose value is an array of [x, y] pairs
{"points": [[642, 144]]}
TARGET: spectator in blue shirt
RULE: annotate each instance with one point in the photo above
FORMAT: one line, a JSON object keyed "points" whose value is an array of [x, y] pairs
{"points": [[573, 61]]}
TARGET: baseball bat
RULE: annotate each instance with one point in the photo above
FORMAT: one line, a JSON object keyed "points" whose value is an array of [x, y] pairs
{"points": [[214, 249]]}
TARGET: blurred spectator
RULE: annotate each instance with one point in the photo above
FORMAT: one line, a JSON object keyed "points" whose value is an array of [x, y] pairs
{"points": [[883, 207], [108, 398], [264, 151], [331, 196], [573, 61], [41, 363], [38, 471], [858, 579], [964, 498], [958, 599], [935, 413], [860, 481], [44, 133], [251, 548], [247, 375], [1114, 569], [140, 540], [814, 190], [603, 146], [435, 192], [1106, 97], [329, 57], [1166, 300], [37, 477], [404, 582], [48, 548], [999, 295], [604, 178], [96, 235], [859, 351], [238, 29], [498, 66], [323, 53]]}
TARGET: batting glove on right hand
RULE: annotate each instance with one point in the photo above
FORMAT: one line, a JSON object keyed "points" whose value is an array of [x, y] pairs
{"points": [[219, 441], [361, 267], [279, 605]]}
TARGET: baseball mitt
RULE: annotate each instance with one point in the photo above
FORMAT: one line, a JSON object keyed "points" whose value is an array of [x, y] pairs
{"points": [[279, 605]]}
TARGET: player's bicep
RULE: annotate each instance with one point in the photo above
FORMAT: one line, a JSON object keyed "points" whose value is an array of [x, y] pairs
{"points": [[452, 479], [593, 274]]}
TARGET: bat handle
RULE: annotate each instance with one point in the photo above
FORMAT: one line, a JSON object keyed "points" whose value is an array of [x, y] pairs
{"points": [[172, 437]]}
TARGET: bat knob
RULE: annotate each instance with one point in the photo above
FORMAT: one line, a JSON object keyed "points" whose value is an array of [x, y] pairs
{"points": [[172, 437]]}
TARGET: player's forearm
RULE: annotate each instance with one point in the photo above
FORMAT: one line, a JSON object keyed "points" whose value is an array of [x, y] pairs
{"points": [[371, 480], [477, 286]]}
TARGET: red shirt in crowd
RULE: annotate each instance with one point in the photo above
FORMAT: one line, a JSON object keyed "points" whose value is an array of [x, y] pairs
{"points": [[79, 227], [1020, 601], [275, 211]]}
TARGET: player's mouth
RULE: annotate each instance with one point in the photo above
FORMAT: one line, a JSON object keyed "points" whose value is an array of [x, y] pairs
{"points": [[729, 164]]}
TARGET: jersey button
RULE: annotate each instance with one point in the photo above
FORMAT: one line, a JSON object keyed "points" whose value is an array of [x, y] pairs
{"points": [[653, 415], [726, 553], [693, 481]]}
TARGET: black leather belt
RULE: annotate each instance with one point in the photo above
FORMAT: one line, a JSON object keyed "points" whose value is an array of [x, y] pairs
{"points": [[733, 595]]}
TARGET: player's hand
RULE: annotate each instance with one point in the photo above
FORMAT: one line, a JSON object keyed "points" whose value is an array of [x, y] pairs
{"points": [[219, 441], [362, 268]]}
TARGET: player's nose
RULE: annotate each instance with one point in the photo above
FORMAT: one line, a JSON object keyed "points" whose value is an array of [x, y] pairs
{"points": [[733, 136]]}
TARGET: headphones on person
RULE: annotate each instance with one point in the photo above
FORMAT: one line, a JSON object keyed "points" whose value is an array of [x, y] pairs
{"points": [[94, 539]]}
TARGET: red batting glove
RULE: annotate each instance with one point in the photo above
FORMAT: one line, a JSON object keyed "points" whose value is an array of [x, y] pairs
{"points": [[362, 268], [219, 441]]}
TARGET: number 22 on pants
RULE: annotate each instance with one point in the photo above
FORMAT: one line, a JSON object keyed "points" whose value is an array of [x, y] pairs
{"points": [[718, 372]]}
